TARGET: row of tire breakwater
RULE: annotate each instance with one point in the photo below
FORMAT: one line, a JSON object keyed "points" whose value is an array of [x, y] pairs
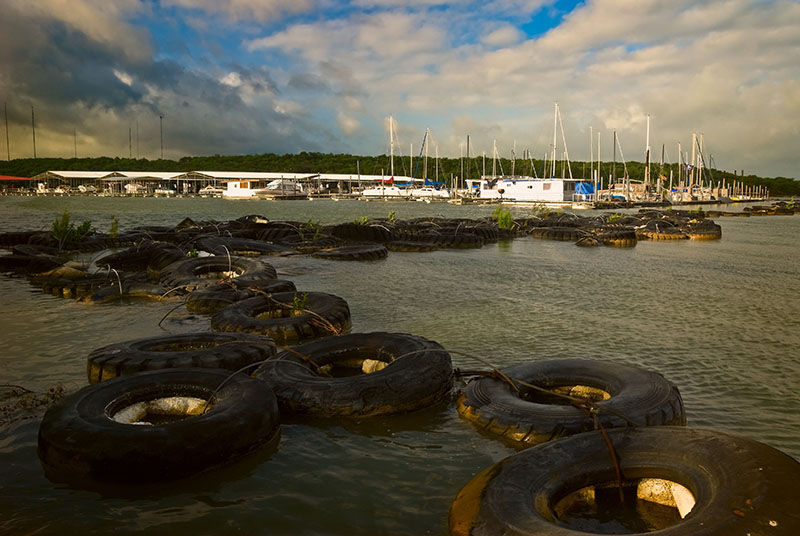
{"points": [[184, 386]]}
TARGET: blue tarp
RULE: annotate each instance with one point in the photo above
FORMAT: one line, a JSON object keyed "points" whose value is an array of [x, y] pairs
{"points": [[584, 188], [429, 182]]}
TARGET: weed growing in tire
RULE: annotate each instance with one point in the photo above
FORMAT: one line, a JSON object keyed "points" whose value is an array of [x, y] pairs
{"points": [[64, 231]]}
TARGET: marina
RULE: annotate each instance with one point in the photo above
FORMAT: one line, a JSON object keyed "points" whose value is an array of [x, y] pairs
{"points": [[702, 313]]}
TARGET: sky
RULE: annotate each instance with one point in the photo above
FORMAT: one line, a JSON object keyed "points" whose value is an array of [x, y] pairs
{"points": [[115, 78]]}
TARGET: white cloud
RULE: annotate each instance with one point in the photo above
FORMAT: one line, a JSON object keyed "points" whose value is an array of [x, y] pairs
{"points": [[232, 80], [244, 10], [123, 77], [507, 35], [347, 123]]}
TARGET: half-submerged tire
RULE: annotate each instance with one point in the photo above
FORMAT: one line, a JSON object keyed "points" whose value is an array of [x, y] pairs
{"points": [[622, 394], [363, 252], [407, 373], [730, 485], [287, 317], [101, 432], [200, 272], [229, 351], [211, 299]]}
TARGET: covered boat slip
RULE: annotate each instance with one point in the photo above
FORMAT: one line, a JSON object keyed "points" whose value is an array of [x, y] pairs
{"points": [[212, 183]]}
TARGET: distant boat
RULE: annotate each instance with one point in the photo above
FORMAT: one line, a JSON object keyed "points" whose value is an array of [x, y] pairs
{"points": [[165, 190], [385, 191], [210, 191], [282, 189], [429, 193]]}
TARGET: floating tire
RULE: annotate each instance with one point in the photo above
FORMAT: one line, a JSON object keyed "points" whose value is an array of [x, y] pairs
{"points": [[129, 290], [101, 431], [229, 351], [411, 246], [410, 373], [364, 252], [622, 394], [728, 485], [287, 317], [200, 272], [617, 238], [218, 245], [704, 230], [357, 232], [211, 299], [564, 234]]}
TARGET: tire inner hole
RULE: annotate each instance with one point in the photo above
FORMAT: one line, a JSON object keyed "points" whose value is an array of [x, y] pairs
{"points": [[647, 505]]}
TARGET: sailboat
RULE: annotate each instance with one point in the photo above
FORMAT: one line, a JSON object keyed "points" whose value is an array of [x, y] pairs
{"points": [[387, 188], [431, 189]]}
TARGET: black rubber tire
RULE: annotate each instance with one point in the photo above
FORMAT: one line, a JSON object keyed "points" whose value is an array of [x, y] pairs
{"points": [[703, 230], [740, 486], [130, 290], [200, 272], [310, 244], [218, 245], [616, 237], [229, 351], [211, 299], [361, 233], [79, 440], [642, 396], [329, 315], [564, 234], [449, 240], [362, 252], [162, 257], [418, 375], [138, 257], [411, 246]]}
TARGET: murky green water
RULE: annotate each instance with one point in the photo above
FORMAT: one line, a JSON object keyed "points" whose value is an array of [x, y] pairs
{"points": [[720, 319]]}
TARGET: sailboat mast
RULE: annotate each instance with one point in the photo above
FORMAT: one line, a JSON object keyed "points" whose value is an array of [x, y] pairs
{"points": [[425, 162], [614, 165], [494, 160], [555, 127], [467, 175], [599, 176], [391, 146], [647, 156], [513, 157]]}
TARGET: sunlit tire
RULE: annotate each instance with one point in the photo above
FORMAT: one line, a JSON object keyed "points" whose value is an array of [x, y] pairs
{"points": [[632, 395], [129, 290], [734, 485], [287, 317], [80, 440], [564, 234], [412, 373], [230, 351]]}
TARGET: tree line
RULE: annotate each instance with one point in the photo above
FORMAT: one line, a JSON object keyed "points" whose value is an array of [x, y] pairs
{"points": [[452, 171]]}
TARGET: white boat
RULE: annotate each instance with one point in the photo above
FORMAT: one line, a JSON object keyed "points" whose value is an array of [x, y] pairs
{"points": [[282, 189], [385, 191], [210, 191], [428, 193], [165, 190], [135, 188]]}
